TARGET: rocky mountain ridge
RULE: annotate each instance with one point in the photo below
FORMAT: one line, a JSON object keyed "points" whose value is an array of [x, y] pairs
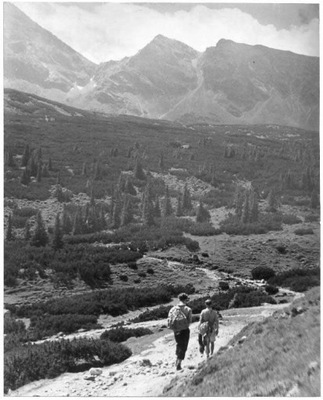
{"points": [[230, 83]]}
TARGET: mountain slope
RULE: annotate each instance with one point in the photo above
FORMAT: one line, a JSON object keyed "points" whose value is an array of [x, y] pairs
{"points": [[36, 61], [147, 84], [229, 83]]}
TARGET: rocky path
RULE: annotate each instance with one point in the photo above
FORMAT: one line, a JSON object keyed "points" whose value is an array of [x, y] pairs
{"points": [[152, 364], [150, 368]]}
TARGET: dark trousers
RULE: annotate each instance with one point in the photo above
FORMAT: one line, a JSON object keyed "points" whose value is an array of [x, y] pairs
{"points": [[182, 338]]}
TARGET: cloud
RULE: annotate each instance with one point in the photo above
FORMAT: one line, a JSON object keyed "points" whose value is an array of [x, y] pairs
{"points": [[111, 31]]}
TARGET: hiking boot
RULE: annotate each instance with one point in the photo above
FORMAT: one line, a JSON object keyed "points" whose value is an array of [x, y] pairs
{"points": [[202, 349], [178, 365]]}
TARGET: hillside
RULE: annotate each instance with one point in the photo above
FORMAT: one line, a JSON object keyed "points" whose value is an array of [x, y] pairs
{"points": [[229, 83]]}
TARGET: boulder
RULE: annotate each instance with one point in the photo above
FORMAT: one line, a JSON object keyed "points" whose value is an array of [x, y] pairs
{"points": [[96, 371]]}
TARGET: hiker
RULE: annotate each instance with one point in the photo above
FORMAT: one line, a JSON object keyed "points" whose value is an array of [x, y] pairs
{"points": [[208, 329], [179, 319]]}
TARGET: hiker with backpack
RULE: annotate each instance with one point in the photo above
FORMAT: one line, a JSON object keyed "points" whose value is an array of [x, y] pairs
{"points": [[208, 329], [179, 320]]}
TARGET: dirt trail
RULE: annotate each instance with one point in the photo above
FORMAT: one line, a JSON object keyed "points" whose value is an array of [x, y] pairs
{"points": [[152, 364], [151, 367]]}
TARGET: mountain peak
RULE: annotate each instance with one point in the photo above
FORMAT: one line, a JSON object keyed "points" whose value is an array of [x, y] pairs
{"points": [[164, 42], [161, 38]]}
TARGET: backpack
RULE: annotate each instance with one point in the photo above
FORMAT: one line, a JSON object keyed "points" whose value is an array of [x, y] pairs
{"points": [[177, 320], [204, 328]]}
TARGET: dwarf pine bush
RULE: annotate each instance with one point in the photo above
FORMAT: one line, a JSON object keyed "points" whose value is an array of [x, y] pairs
{"points": [[32, 362]]}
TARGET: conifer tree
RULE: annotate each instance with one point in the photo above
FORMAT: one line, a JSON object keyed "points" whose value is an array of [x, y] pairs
{"points": [[87, 213], [45, 172], [59, 178], [167, 210], [179, 209], [202, 214], [27, 233], [92, 198], [102, 220], [84, 169], [93, 222], [272, 201], [67, 225], [129, 188], [58, 193], [77, 223], [126, 212], [245, 217], [9, 233], [315, 200], [161, 162], [238, 201], [25, 177], [138, 171], [10, 160], [38, 155], [97, 171], [25, 156], [147, 206], [121, 183], [116, 209], [33, 166], [40, 236], [254, 206], [186, 200], [157, 211], [39, 172], [129, 152], [58, 234]]}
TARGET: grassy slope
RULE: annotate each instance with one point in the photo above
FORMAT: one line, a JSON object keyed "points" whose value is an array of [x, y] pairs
{"points": [[278, 357]]}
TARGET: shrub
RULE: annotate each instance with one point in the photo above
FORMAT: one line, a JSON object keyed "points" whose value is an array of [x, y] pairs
{"points": [[224, 285], [121, 334], [267, 222], [297, 279], [142, 274], [262, 273], [123, 278], [290, 219], [133, 265], [192, 245], [114, 302], [203, 229], [270, 289], [41, 326], [281, 249], [25, 212], [50, 359], [304, 231], [11, 325], [151, 315], [311, 218], [150, 271], [19, 221]]}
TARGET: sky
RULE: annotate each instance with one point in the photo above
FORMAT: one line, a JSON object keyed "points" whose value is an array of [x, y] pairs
{"points": [[113, 30]]}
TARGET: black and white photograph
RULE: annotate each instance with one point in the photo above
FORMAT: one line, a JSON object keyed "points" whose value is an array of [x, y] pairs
{"points": [[161, 199]]}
